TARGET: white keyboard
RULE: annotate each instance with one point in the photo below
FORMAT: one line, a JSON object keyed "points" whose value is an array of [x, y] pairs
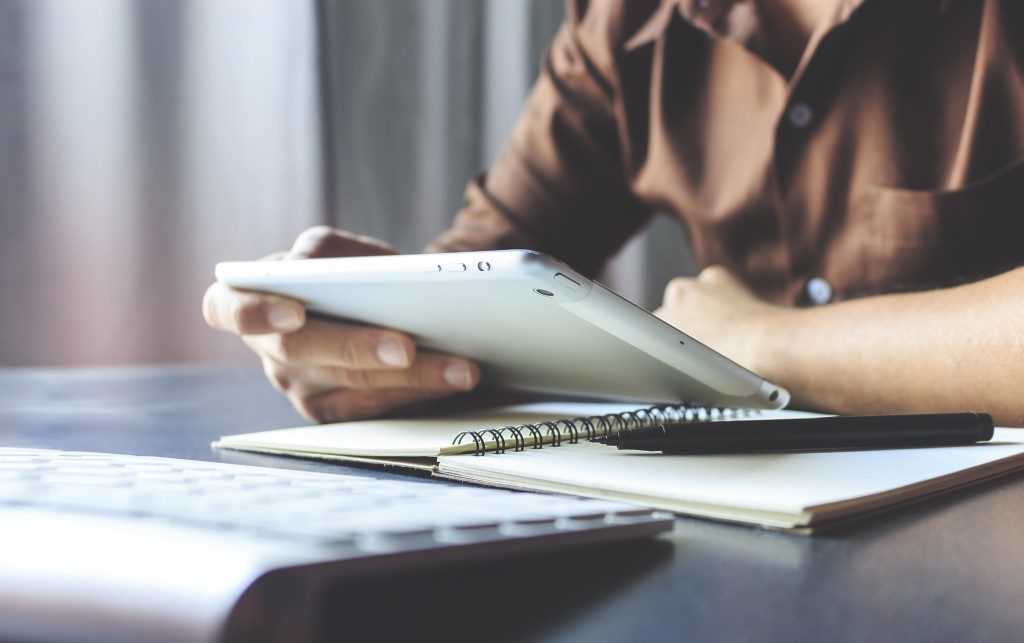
{"points": [[128, 548], [279, 503], [100, 547]]}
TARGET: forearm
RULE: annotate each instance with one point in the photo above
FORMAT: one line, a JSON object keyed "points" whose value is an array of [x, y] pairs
{"points": [[479, 225], [955, 349]]}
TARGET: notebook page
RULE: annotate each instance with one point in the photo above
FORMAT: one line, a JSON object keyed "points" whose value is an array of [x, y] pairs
{"points": [[412, 437], [781, 484]]}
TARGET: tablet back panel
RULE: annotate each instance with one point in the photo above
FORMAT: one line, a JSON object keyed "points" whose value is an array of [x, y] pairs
{"points": [[531, 322]]}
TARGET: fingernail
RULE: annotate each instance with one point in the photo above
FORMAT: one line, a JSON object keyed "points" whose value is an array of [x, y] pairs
{"points": [[392, 352], [457, 374], [284, 317]]}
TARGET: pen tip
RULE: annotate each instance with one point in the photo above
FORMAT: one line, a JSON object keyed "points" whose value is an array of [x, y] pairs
{"points": [[610, 440]]}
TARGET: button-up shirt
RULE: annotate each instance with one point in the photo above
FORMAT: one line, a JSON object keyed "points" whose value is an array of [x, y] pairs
{"points": [[891, 158]]}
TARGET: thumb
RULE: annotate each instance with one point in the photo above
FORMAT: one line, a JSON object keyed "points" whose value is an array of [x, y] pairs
{"points": [[324, 241]]}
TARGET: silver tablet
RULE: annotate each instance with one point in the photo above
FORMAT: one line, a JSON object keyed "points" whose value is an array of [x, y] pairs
{"points": [[530, 321]]}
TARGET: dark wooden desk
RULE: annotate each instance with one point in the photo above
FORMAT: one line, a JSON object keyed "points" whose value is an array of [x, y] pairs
{"points": [[948, 569]]}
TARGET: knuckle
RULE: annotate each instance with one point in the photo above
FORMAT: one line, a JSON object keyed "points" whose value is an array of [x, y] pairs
{"points": [[257, 344], [310, 408], [339, 406], [423, 375], [677, 288], [288, 346], [316, 233], [277, 376], [356, 379], [356, 348], [314, 241], [349, 352], [713, 273]]}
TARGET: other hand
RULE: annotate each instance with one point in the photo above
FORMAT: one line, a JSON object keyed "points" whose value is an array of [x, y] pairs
{"points": [[333, 371], [718, 310]]}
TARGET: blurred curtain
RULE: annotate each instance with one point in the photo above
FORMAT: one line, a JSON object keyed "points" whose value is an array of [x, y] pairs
{"points": [[417, 99], [142, 141]]}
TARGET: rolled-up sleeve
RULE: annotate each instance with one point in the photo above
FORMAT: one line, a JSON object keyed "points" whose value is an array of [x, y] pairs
{"points": [[559, 186]]}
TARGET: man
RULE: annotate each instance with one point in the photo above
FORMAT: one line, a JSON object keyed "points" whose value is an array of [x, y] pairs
{"points": [[850, 171]]}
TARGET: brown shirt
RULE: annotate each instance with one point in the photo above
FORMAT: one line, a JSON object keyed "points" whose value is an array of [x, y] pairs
{"points": [[892, 158]]}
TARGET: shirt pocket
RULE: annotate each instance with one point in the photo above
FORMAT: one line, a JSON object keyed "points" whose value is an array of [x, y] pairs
{"points": [[919, 239]]}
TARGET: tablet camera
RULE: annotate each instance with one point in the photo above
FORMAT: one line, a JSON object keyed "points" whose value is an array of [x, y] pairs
{"points": [[541, 291]]}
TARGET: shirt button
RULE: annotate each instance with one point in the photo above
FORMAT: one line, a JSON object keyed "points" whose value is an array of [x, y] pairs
{"points": [[818, 290], [800, 115]]}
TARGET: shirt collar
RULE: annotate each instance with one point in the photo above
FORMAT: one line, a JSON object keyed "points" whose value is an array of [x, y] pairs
{"points": [[706, 14], [654, 28]]}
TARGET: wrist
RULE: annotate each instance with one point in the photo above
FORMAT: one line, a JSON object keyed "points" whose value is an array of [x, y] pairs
{"points": [[771, 340]]}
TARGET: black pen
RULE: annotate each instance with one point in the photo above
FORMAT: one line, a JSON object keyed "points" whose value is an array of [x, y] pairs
{"points": [[833, 432]]}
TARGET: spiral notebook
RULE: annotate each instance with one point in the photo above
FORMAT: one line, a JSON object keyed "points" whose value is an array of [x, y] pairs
{"points": [[544, 447]]}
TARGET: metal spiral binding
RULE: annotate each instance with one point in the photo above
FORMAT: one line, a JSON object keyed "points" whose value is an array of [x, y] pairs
{"points": [[554, 432], [517, 435], [569, 429], [538, 437], [570, 426], [478, 441], [499, 439], [594, 426]]}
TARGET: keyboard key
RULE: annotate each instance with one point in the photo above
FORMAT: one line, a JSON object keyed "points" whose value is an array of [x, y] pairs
{"points": [[85, 480]]}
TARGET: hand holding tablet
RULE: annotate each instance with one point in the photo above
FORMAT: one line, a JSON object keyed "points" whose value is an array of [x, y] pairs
{"points": [[332, 370], [530, 322]]}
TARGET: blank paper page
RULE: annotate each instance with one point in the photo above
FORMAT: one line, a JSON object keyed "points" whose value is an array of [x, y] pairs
{"points": [[785, 483]]}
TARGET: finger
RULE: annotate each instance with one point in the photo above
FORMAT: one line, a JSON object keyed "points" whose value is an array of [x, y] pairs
{"points": [[280, 376], [430, 371], [721, 278], [346, 404], [247, 313], [323, 241], [714, 274], [330, 343], [677, 288]]}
